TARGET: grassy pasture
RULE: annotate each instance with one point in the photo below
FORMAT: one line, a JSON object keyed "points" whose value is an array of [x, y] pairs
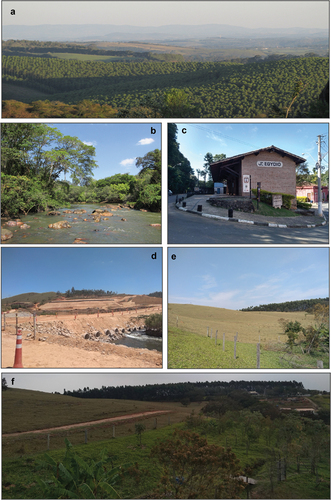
{"points": [[190, 348], [251, 326]]}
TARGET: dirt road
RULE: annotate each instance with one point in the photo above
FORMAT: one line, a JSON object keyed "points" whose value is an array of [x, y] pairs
{"points": [[131, 416]]}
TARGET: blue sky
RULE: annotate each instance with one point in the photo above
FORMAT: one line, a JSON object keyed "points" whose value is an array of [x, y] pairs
{"points": [[252, 14], [116, 145], [233, 278], [51, 382], [123, 270], [237, 138]]}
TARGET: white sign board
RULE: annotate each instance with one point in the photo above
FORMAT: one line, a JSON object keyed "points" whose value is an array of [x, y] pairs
{"points": [[277, 200], [269, 163], [246, 183]]}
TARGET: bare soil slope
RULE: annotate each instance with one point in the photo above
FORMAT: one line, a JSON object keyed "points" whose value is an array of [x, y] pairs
{"points": [[60, 339]]}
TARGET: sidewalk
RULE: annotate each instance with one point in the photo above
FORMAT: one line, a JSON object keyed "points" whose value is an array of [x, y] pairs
{"points": [[248, 218]]}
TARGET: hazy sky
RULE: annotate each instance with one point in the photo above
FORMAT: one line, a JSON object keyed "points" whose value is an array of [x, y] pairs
{"points": [[237, 138], [116, 145], [258, 14], [48, 382], [123, 270], [234, 278]]}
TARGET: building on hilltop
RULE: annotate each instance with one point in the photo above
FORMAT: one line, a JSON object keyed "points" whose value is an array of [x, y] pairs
{"points": [[273, 167]]}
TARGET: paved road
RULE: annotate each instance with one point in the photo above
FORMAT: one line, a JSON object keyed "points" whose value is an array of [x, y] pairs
{"points": [[187, 228]]}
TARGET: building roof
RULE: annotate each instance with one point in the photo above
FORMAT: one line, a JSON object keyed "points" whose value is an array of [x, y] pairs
{"points": [[269, 149]]}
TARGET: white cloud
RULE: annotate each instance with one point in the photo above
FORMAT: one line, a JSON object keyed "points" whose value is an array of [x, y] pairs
{"points": [[144, 142], [90, 143], [128, 162]]}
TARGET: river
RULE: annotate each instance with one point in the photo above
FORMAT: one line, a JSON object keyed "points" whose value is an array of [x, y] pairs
{"points": [[112, 230], [140, 341]]}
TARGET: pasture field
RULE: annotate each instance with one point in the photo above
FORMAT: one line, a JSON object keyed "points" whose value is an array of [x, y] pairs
{"points": [[251, 326], [190, 348]]}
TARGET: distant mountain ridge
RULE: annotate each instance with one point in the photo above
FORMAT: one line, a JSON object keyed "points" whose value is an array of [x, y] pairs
{"points": [[111, 32]]}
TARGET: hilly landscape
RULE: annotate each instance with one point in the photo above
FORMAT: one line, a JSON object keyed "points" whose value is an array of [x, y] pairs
{"points": [[192, 341], [125, 444], [215, 70]]}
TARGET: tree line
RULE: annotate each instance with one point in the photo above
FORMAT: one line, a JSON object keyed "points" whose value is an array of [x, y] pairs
{"points": [[290, 306], [188, 391]]}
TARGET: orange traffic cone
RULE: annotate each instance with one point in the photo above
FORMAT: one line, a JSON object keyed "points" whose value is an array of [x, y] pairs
{"points": [[18, 351]]}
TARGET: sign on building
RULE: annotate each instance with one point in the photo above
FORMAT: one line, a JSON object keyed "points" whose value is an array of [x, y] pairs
{"points": [[269, 163], [246, 183]]}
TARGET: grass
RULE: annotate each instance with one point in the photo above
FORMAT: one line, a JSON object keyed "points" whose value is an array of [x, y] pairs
{"points": [[19, 475], [269, 211], [252, 326]]}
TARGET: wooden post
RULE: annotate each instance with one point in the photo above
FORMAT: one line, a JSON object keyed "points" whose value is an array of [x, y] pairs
{"points": [[85, 436], [235, 347], [48, 441], [216, 337], [258, 355], [114, 431], [223, 341]]}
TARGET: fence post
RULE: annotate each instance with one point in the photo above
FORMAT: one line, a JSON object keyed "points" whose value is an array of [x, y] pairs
{"points": [[85, 436], [207, 331], [155, 423], [258, 355], [211, 333], [114, 431], [235, 347], [216, 337], [223, 341], [48, 441]]}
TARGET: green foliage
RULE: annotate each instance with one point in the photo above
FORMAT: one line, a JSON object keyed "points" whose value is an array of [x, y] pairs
{"points": [[154, 322], [178, 89], [139, 429], [193, 468], [77, 478], [20, 194], [266, 197]]}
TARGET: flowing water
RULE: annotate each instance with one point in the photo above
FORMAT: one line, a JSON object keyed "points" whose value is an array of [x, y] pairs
{"points": [[140, 341], [135, 229]]}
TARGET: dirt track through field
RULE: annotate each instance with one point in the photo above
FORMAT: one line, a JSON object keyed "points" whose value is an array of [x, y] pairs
{"points": [[131, 416]]}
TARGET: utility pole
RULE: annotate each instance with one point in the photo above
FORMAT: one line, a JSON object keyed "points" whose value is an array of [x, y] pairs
{"points": [[318, 165]]}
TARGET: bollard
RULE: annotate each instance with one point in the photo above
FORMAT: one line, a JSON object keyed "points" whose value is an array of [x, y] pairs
{"points": [[184, 204], [199, 208], [230, 213], [18, 351]]}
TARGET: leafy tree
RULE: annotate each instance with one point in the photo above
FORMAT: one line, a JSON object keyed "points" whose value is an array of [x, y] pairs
{"points": [[192, 468], [76, 478], [4, 384], [154, 322]]}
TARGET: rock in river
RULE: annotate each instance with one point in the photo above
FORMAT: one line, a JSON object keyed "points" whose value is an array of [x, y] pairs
{"points": [[6, 234], [59, 225]]}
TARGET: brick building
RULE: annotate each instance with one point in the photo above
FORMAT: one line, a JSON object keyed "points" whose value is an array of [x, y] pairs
{"points": [[272, 166]]}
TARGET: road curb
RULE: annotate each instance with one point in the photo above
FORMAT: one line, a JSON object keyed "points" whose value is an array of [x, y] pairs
{"points": [[242, 221]]}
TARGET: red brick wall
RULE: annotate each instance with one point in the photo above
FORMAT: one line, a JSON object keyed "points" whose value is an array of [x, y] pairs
{"points": [[275, 179]]}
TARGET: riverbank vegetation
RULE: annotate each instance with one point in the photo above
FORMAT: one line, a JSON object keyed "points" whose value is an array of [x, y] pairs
{"points": [[34, 156]]}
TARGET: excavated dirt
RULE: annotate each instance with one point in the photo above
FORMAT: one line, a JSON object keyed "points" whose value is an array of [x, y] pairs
{"points": [[78, 341]]}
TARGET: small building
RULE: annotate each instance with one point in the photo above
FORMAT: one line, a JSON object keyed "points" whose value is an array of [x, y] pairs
{"points": [[311, 192], [273, 167]]}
